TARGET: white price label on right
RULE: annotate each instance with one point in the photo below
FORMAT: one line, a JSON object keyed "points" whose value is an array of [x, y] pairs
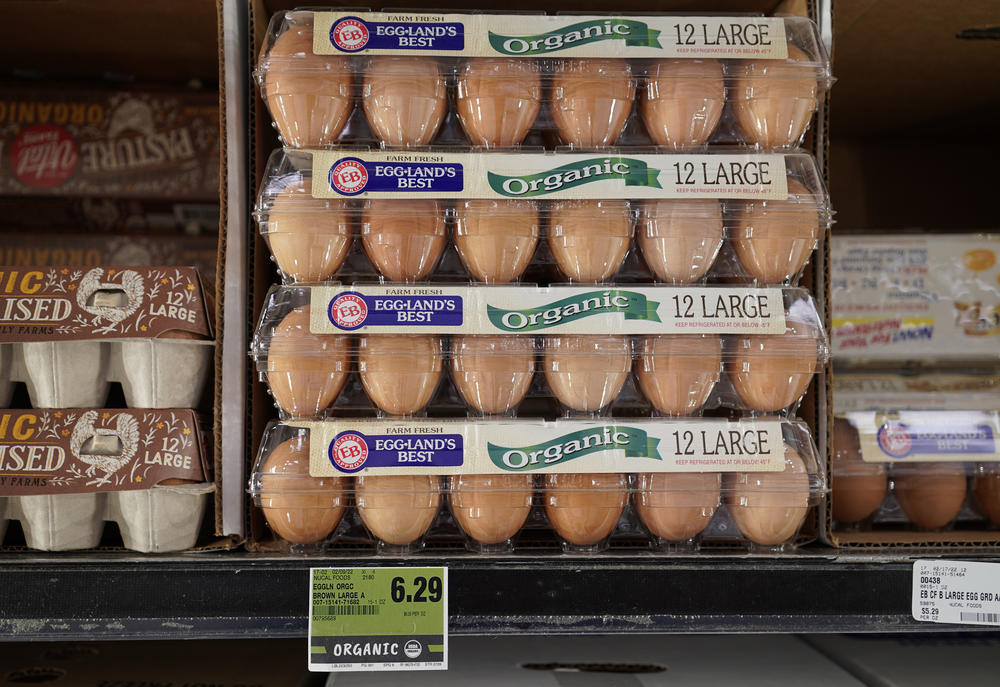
{"points": [[958, 592]]}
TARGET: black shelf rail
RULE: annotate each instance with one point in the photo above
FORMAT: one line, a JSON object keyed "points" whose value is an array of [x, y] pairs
{"points": [[203, 595]]}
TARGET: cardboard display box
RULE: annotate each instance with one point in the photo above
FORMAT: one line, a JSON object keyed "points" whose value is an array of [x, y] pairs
{"points": [[170, 45], [893, 172], [263, 140]]}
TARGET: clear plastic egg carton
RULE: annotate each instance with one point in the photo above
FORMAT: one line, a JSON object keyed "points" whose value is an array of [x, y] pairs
{"points": [[922, 471], [498, 512], [614, 217], [330, 77], [163, 518], [647, 362], [78, 374]]}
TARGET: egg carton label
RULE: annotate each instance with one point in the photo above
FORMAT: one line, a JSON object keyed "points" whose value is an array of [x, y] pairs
{"points": [[495, 447], [927, 297], [927, 436], [75, 451], [565, 176], [84, 303], [534, 35], [870, 391], [107, 143], [957, 592], [558, 309]]}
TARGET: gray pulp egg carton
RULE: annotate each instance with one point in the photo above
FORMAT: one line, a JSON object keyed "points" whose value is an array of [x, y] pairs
{"points": [[69, 332], [78, 374], [63, 473]]}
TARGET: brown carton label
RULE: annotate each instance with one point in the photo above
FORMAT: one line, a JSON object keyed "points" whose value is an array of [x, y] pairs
{"points": [[85, 303], [76, 451], [46, 249], [63, 141]]}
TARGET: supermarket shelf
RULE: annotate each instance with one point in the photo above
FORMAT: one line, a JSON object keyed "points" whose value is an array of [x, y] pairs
{"points": [[86, 596]]}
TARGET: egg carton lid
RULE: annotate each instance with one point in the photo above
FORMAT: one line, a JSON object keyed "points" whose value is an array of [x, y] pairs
{"points": [[306, 181], [779, 320], [912, 390], [322, 37], [943, 442], [751, 452]]}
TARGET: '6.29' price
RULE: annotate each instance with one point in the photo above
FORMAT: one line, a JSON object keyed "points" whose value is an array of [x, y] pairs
{"points": [[423, 590]]}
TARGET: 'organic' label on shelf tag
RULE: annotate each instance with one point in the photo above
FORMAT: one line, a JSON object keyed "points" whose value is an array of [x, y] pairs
{"points": [[544, 176], [927, 436], [513, 35], [374, 619], [961, 592], [552, 310], [456, 447]]}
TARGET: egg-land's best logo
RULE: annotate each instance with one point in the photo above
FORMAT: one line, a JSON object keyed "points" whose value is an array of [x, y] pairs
{"points": [[349, 34], [348, 310], [349, 451], [348, 176], [895, 440]]}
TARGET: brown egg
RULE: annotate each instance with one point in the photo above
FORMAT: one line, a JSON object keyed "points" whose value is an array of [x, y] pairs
{"points": [[858, 488], [491, 508], [498, 100], [309, 95], [405, 99], [400, 372], [774, 238], [591, 100], [677, 372], [677, 506], [771, 371], [299, 508], [986, 488], [309, 237], [403, 239], [586, 372], [584, 509], [306, 371], [770, 507], [496, 239], [397, 509], [681, 238], [930, 494], [589, 238], [683, 101], [493, 373], [979, 260], [774, 100]]}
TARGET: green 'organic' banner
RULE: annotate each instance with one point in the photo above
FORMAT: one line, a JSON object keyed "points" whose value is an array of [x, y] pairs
{"points": [[634, 305], [633, 172], [635, 442], [634, 33]]}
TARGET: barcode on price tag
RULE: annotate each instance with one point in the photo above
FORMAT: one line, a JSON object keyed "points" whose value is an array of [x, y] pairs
{"points": [[959, 592]]}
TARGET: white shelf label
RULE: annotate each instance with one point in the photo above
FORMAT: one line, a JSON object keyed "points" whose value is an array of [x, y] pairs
{"points": [[959, 592]]}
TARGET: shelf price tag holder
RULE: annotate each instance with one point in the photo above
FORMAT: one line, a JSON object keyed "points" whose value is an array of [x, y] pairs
{"points": [[956, 592], [378, 619]]}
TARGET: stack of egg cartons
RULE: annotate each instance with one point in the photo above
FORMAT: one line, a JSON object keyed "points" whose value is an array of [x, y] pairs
{"points": [[541, 269], [915, 323], [68, 463]]}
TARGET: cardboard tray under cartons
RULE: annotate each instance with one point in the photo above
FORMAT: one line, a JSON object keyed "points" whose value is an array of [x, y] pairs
{"points": [[261, 274]]}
